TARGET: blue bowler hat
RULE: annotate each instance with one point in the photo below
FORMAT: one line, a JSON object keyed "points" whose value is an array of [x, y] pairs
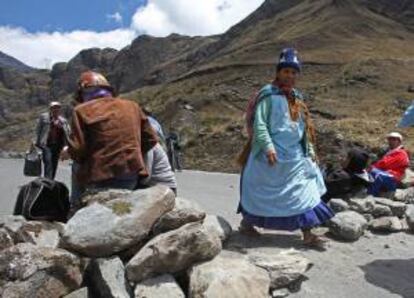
{"points": [[289, 58]]}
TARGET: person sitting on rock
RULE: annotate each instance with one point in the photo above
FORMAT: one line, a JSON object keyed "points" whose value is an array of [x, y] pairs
{"points": [[281, 185], [159, 170], [156, 126], [109, 136], [351, 179], [388, 172]]}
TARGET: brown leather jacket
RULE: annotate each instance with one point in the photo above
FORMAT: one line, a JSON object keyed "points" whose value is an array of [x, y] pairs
{"points": [[109, 138]]}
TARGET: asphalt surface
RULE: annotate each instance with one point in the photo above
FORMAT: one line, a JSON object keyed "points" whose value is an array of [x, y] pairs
{"points": [[375, 266]]}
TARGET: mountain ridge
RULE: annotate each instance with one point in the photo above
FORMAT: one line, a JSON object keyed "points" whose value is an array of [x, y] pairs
{"points": [[357, 57]]}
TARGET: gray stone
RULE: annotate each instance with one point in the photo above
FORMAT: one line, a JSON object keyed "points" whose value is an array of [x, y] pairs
{"points": [[386, 224], [348, 225], [362, 205], [405, 195], [368, 217], [103, 197], [107, 278], [81, 293], [409, 214], [338, 205], [12, 223], [27, 270], [183, 213], [228, 275], [218, 225], [41, 233], [159, 287], [397, 208], [173, 251], [381, 211], [104, 229], [286, 269], [6, 240]]}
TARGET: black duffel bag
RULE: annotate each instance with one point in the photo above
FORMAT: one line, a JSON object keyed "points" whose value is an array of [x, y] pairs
{"points": [[43, 199], [33, 163]]}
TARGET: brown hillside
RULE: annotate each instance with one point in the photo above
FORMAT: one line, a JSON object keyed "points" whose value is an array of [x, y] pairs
{"points": [[358, 63]]}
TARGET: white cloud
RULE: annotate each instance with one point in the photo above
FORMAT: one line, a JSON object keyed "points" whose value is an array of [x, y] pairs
{"points": [[158, 18], [116, 17], [162, 17], [43, 49]]}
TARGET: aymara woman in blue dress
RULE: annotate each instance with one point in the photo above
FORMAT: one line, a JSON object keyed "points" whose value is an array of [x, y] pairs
{"points": [[281, 184]]}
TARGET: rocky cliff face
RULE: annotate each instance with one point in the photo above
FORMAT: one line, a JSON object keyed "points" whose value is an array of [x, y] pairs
{"points": [[65, 75], [357, 68]]}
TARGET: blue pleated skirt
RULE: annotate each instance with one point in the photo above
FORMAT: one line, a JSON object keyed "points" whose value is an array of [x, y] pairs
{"points": [[307, 220]]}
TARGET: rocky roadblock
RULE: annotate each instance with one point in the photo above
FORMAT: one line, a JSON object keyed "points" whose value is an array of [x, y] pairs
{"points": [[379, 215], [144, 243]]}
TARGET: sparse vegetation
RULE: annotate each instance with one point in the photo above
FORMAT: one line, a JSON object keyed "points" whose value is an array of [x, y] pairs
{"points": [[357, 63]]}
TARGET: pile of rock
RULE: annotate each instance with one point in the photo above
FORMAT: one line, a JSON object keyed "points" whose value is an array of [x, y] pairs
{"points": [[145, 243], [381, 215]]}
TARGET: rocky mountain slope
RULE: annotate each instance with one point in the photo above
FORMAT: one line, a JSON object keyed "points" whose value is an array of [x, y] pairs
{"points": [[358, 65]]}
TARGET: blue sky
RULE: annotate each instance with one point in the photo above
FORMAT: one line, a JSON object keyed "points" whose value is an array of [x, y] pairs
{"points": [[64, 15], [43, 32]]}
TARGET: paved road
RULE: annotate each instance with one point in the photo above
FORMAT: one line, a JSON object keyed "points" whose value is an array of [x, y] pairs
{"points": [[217, 193], [376, 266]]}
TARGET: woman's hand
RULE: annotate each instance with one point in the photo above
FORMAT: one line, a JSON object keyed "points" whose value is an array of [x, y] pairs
{"points": [[271, 157]]}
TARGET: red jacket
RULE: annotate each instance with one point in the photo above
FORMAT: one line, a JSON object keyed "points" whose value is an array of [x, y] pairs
{"points": [[395, 162]]}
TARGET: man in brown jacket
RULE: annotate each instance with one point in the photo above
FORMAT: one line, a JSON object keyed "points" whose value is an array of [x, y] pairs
{"points": [[109, 136]]}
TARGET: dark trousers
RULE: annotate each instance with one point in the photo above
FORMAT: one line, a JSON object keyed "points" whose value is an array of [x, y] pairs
{"points": [[51, 155]]}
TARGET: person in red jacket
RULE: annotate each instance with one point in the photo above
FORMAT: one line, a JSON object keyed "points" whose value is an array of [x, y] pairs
{"points": [[388, 172]]}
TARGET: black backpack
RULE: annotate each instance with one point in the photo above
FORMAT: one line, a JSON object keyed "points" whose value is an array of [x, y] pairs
{"points": [[43, 199]]}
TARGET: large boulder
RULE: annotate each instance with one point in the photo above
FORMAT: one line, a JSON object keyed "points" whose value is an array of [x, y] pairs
{"points": [[173, 251], [388, 224], [106, 277], [105, 228], [159, 287], [348, 225], [409, 214], [338, 205], [183, 213], [287, 269], [228, 275], [397, 208], [220, 226], [27, 270]]}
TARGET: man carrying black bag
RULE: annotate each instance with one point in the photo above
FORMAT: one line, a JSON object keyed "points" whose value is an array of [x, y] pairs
{"points": [[50, 137]]}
